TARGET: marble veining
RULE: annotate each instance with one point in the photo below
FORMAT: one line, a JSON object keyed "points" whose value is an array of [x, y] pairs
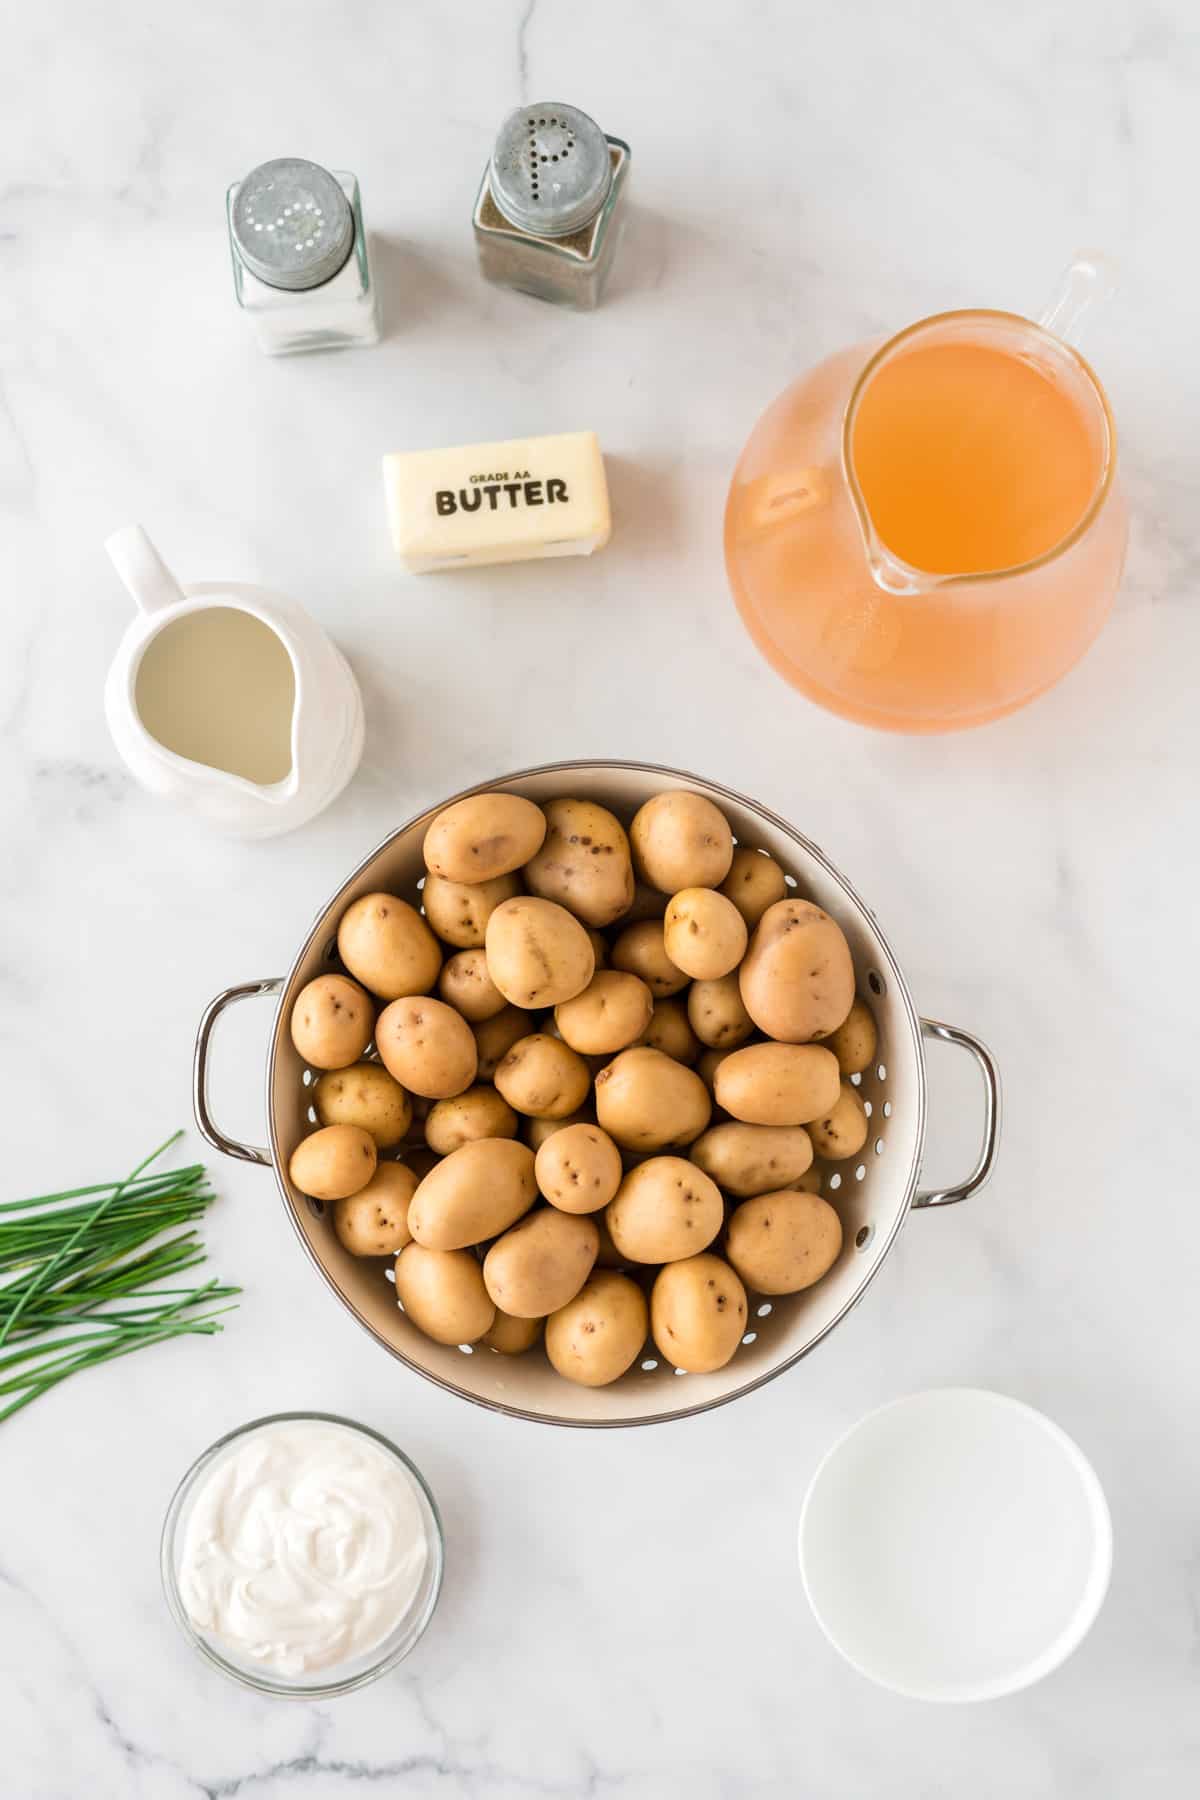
{"points": [[622, 1615]]}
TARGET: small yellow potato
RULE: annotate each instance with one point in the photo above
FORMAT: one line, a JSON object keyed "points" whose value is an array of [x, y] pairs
{"points": [[541, 1263], [374, 1222], [716, 1013], [681, 840], [537, 952], [465, 984], [578, 1169], [365, 1095], [512, 1337], [495, 1037], [333, 1163], [459, 911], [387, 945], [332, 1022], [797, 979], [613, 1009], [754, 882], [697, 1313], [710, 1061], [543, 1077], [778, 1084], [473, 1194], [427, 1046], [584, 862], [665, 1209], [483, 836], [641, 950], [856, 1039], [538, 1130], [646, 1101], [480, 1112], [782, 1243], [670, 1032], [704, 934], [753, 1159], [597, 1335], [442, 1292], [842, 1131]]}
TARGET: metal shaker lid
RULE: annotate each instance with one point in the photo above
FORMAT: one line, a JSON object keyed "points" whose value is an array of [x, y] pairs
{"points": [[292, 224], [550, 171]]}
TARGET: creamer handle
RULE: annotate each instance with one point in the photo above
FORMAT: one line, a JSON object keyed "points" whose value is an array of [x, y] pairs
{"points": [[1091, 278], [143, 570]]}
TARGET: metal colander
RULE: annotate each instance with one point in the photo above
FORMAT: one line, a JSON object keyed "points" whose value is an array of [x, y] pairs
{"points": [[873, 1194]]}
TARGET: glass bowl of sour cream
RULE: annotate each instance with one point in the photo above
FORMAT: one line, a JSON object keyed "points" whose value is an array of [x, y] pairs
{"points": [[302, 1555]]}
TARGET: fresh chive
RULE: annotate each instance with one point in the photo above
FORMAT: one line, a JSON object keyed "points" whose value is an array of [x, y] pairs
{"points": [[71, 1257]]}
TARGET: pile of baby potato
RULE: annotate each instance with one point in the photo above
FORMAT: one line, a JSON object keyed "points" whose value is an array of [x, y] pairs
{"points": [[605, 1061]]}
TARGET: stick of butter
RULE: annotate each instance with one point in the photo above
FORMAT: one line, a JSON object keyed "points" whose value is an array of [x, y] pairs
{"points": [[493, 503]]}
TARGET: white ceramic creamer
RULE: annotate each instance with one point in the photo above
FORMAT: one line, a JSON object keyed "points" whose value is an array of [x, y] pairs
{"points": [[229, 700]]}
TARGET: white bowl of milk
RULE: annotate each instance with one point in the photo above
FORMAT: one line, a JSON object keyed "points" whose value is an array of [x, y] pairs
{"points": [[229, 700]]}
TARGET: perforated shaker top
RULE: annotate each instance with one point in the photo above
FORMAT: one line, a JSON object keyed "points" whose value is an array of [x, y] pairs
{"points": [[292, 223], [551, 171]]}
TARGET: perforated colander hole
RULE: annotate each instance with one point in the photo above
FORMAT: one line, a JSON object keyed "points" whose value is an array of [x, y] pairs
{"points": [[307, 1077], [881, 1071], [649, 1364], [311, 1115], [856, 1080], [790, 881], [867, 1108], [879, 1146], [835, 1182], [764, 1311], [390, 1275], [681, 1371], [467, 1349], [887, 1109], [860, 1172], [876, 983], [751, 1337], [315, 1207], [863, 1236]]}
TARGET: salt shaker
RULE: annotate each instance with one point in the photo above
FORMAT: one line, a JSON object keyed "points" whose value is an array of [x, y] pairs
{"points": [[549, 207], [300, 263]]}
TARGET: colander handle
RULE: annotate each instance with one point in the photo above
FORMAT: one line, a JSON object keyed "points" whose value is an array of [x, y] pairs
{"points": [[951, 1034], [209, 1130]]}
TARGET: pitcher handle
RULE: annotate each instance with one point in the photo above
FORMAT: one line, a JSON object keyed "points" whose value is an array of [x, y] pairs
{"points": [[209, 1130], [142, 570], [947, 1196], [1091, 278]]}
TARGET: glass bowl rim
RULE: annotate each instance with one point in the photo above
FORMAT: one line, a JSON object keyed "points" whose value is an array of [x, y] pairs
{"points": [[390, 1653]]}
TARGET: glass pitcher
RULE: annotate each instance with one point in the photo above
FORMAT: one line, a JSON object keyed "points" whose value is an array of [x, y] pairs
{"points": [[924, 534]]}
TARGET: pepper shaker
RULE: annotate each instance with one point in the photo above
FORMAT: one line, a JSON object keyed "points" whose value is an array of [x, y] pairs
{"points": [[300, 263], [549, 207]]}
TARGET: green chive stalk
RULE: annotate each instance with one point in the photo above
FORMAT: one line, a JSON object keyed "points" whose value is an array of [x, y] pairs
{"points": [[93, 1272]]}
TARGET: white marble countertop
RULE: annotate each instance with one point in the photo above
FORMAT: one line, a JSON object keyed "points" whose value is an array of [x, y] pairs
{"points": [[622, 1612]]}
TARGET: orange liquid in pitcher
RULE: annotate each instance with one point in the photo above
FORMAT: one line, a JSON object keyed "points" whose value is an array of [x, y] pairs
{"points": [[970, 459]]}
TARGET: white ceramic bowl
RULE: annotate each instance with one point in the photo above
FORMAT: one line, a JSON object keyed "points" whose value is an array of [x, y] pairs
{"points": [[955, 1545]]}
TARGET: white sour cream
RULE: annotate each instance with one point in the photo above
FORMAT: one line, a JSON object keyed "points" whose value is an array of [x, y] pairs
{"points": [[304, 1547]]}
